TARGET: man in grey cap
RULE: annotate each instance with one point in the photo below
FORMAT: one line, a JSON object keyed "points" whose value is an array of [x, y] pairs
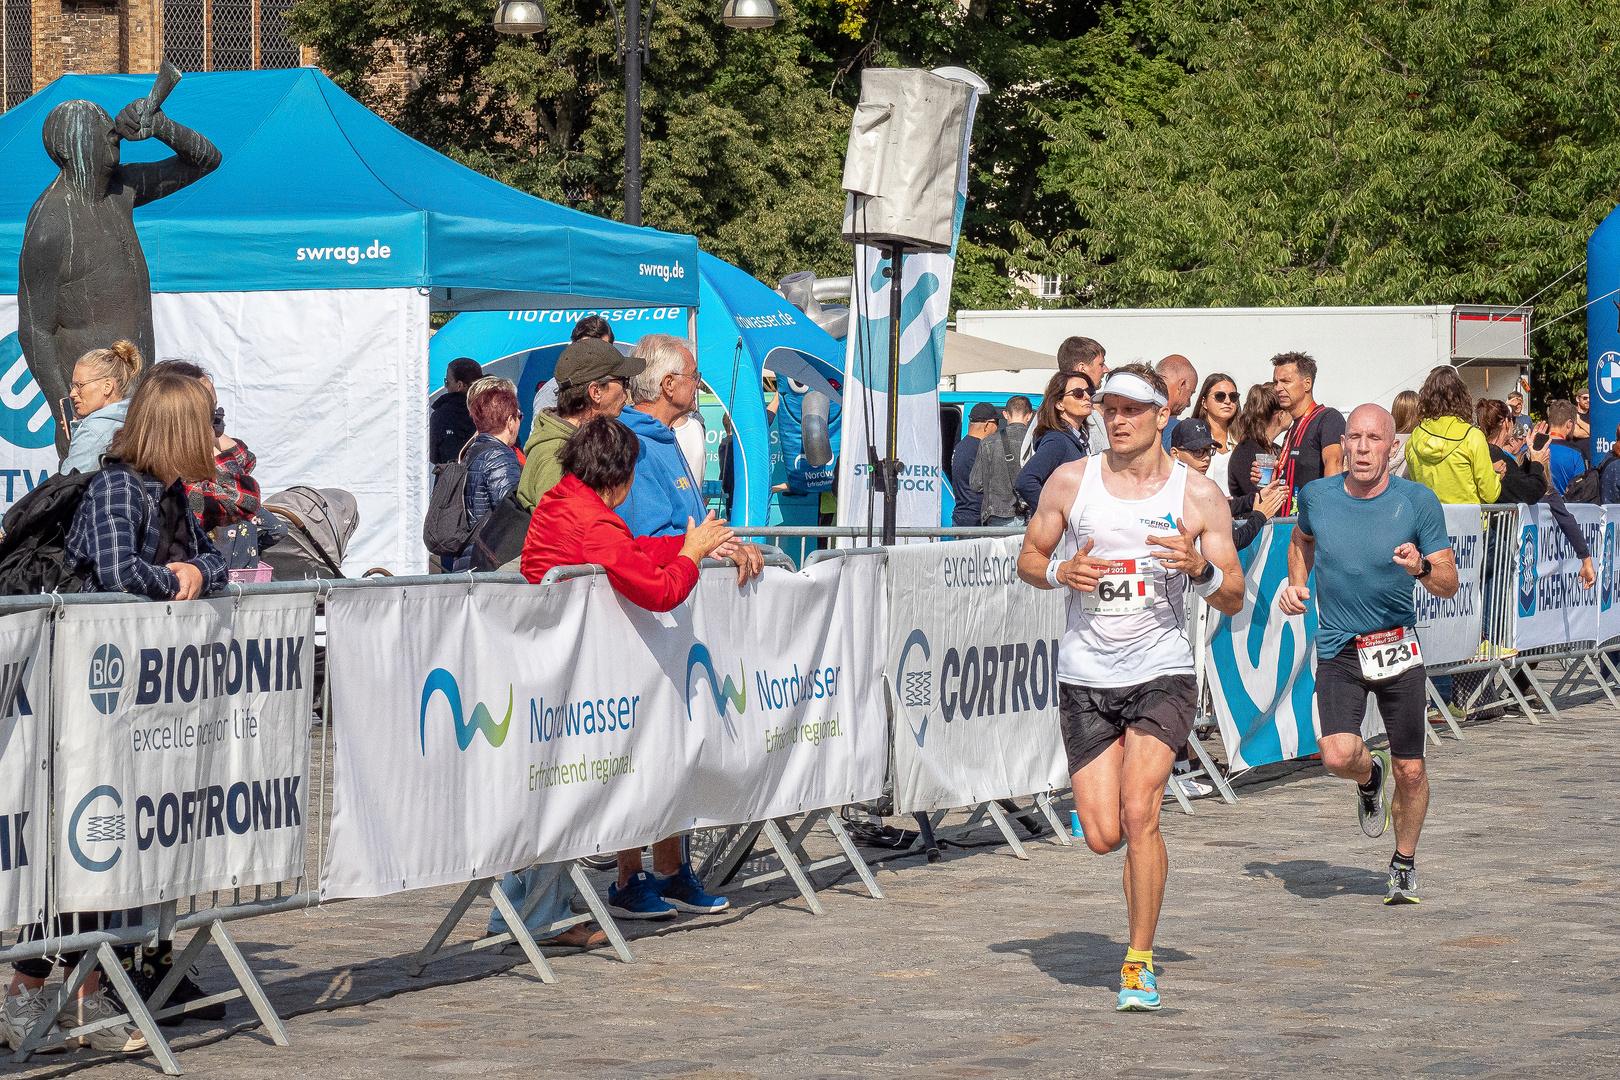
{"points": [[592, 379], [981, 424]]}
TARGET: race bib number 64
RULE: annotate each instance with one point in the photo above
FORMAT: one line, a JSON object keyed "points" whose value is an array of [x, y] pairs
{"points": [[1123, 590]]}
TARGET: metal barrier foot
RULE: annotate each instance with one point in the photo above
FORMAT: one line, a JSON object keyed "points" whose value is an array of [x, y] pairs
{"points": [[138, 1013], [600, 911], [64, 993], [1211, 770], [852, 853], [245, 979], [418, 963], [790, 862], [1044, 801], [520, 932], [999, 816]]}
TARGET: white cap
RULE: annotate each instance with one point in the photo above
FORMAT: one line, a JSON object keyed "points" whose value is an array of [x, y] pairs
{"points": [[1129, 385]]}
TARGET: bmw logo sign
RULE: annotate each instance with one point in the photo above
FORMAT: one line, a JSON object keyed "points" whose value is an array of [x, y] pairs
{"points": [[106, 678], [1606, 377]]}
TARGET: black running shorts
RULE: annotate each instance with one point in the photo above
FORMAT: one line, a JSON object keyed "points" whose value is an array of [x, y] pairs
{"points": [[1093, 720], [1341, 702]]}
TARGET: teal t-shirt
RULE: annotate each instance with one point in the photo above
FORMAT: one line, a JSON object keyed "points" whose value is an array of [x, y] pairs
{"points": [[1360, 589]]}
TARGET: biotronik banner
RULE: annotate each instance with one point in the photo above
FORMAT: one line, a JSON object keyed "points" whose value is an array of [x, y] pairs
{"points": [[513, 724], [25, 673], [182, 747], [1551, 606], [925, 287], [1262, 663], [1448, 630], [972, 666]]}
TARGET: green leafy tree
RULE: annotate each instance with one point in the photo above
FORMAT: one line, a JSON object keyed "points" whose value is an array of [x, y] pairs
{"points": [[1341, 153]]}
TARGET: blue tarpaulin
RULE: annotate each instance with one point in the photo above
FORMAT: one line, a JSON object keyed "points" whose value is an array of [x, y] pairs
{"points": [[317, 192]]}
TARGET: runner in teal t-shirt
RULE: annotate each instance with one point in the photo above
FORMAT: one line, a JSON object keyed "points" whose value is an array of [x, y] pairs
{"points": [[1369, 536]]}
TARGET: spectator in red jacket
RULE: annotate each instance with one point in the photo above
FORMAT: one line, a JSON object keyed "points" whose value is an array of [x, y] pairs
{"points": [[575, 523]]}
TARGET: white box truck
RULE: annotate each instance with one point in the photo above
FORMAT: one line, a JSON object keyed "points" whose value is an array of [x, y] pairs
{"points": [[1362, 353]]}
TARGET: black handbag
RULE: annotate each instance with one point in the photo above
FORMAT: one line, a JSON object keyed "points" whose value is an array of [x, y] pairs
{"points": [[498, 537]]}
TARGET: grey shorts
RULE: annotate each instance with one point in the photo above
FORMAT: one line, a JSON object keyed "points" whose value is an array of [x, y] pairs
{"points": [[1093, 720]]}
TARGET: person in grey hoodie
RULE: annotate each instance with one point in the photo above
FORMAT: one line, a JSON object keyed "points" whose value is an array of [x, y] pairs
{"points": [[103, 380]]}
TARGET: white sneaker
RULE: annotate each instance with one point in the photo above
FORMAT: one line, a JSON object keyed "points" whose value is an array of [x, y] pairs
{"points": [[120, 1038], [1189, 787], [22, 1011]]}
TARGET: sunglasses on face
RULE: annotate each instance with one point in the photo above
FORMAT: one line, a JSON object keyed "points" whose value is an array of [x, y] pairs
{"points": [[1224, 397], [1079, 393]]}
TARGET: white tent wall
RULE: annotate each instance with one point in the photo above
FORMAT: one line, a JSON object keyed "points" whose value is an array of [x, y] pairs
{"points": [[328, 388]]}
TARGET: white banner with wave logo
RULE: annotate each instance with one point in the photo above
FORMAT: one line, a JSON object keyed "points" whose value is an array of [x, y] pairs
{"points": [[25, 672], [972, 665], [182, 747], [502, 725]]}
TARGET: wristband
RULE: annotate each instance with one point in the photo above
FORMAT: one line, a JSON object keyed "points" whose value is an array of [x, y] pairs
{"points": [[1208, 587], [1051, 575]]}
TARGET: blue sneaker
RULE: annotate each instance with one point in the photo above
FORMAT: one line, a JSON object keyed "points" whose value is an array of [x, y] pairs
{"points": [[639, 899], [1138, 990], [685, 891]]}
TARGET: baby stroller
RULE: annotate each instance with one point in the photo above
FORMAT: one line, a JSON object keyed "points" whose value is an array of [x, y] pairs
{"points": [[319, 522]]}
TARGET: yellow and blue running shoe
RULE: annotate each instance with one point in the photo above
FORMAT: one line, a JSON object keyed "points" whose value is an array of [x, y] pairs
{"points": [[1138, 990]]}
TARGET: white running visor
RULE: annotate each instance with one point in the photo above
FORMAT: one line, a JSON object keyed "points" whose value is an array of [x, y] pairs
{"points": [[1134, 387]]}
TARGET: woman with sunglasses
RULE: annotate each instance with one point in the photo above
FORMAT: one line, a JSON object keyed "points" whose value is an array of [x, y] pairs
{"points": [[1217, 405], [1060, 433]]}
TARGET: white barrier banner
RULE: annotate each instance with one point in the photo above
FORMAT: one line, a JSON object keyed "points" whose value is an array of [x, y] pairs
{"points": [[512, 724], [1552, 607], [182, 747], [25, 671], [1608, 578], [972, 665], [1448, 630]]}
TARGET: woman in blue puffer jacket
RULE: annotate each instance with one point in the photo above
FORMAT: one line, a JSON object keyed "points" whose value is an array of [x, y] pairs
{"points": [[493, 467]]}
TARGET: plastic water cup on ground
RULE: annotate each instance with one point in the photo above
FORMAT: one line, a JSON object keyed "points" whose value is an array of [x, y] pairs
{"points": [[1268, 467], [1074, 825]]}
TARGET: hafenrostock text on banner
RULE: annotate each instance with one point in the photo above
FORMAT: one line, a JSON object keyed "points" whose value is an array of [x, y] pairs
{"points": [[512, 724], [1608, 578], [25, 672], [1448, 630], [972, 666], [182, 747], [1550, 606]]}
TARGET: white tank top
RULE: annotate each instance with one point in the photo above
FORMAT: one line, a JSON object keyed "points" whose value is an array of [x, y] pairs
{"points": [[1102, 647]]}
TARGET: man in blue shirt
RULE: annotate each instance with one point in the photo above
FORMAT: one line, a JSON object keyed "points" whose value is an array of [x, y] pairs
{"points": [[1369, 535], [1567, 462], [981, 422]]}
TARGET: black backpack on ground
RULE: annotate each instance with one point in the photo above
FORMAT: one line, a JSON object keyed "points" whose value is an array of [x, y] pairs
{"points": [[1588, 487], [498, 537], [445, 529]]}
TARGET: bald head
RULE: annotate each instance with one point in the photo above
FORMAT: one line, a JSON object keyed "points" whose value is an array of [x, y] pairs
{"points": [[1369, 443], [1180, 378]]}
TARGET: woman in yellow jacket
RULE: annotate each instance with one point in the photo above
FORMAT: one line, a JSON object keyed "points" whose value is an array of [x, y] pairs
{"points": [[1447, 454]]}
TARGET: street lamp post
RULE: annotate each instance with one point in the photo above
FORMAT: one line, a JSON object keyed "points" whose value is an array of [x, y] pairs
{"points": [[634, 37]]}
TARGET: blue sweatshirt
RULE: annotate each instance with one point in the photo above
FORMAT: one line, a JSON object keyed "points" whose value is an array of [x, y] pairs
{"points": [[663, 494], [1055, 448]]}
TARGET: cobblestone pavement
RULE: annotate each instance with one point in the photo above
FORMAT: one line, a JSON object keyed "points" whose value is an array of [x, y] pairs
{"points": [[1276, 957]]}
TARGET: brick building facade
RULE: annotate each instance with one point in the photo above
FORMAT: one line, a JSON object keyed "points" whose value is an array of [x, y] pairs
{"points": [[44, 39]]}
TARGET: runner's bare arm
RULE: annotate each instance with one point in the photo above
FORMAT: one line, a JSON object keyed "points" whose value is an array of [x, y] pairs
{"points": [[1204, 535], [1045, 532], [1301, 557], [1332, 460], [1442, 579]]}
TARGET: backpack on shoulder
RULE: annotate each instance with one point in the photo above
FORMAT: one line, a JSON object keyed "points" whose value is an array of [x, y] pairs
{"points": [[446, 529], [1588, 487], [498, 537], [33, 553]]}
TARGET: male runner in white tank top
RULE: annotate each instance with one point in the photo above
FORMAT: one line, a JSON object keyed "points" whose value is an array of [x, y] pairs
{"points": [[1137, 525]]}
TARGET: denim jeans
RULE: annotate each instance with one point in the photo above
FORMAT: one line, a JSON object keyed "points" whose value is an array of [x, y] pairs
{"points": [[551, 878]]}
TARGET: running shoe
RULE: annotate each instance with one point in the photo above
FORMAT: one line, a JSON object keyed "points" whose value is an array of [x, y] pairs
{"points": [[1190, 787], [685, 891], [1138, 990], [1372, 807], [123, 1038], [21, 1012], [639, 899], [1402, 885]]}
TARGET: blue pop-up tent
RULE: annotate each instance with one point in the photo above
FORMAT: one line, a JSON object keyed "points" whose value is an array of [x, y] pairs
{"points": [[743, 329], [302, 271]]}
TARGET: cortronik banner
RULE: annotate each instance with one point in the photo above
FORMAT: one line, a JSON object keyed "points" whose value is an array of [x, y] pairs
{"points": [[25, 674], [972, 667], [182, 756], [505, 725]]}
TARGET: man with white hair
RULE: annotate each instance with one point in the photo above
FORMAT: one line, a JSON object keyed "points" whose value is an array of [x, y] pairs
{"points": [[665, 498], [1369, 535]]}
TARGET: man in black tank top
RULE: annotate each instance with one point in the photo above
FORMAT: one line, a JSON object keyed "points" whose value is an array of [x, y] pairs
{"points": [[1122, 740]]}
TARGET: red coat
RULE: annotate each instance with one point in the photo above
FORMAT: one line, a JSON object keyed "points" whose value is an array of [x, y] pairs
{"points": [[573, 525]]}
